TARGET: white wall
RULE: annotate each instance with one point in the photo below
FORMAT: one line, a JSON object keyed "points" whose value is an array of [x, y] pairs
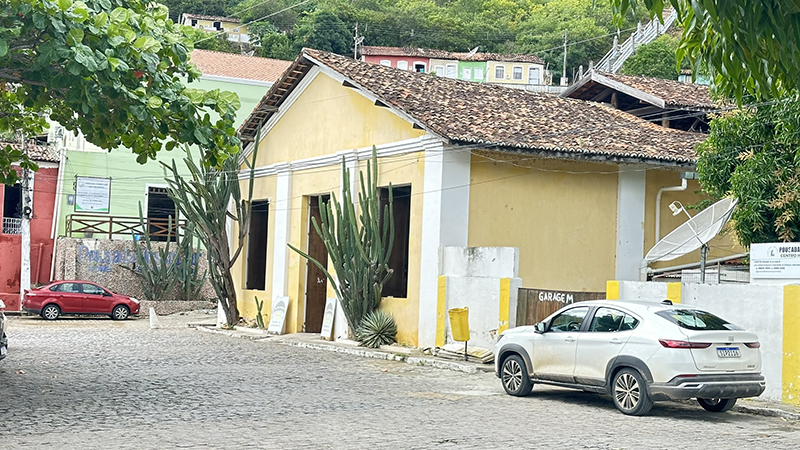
{"points": [[473, 281], [756, 308], [631, 189]]}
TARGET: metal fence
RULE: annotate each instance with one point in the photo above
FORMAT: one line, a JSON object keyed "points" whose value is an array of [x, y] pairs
{"points": [[12, 225]]}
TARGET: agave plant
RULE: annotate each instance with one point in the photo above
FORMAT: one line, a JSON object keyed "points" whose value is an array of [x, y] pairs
{"points": [[377, 328]]}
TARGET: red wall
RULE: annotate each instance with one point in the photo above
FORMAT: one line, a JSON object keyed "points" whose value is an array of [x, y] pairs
{"points": [[44, 196]]}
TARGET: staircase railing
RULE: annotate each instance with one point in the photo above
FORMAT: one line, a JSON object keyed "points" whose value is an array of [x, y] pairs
{"points": [[615, 57]]}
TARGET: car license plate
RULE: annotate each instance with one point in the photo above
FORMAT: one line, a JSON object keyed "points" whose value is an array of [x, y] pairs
{"points": [[728, 352], [3, 351]]}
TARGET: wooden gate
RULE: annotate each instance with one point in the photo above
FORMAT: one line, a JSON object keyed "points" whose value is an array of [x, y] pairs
{"points": [[534, 305]]}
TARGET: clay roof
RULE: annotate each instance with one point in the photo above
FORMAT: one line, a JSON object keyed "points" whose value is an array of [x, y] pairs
{"points": [[675, 94], [239, 66], [43, 153], [212, 18], [441, 54], [494, 117]]}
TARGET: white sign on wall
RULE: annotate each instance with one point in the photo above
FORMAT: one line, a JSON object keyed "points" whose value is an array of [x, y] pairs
{"points": [[775, 260], [92, 194], [278, 318], [327, 318]]}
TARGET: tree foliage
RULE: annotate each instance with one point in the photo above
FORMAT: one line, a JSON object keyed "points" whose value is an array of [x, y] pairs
{"points": [[656, 59], [750, 46], [753, 155], [112, 69]]}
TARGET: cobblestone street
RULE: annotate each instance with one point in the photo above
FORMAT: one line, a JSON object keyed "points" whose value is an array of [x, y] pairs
{"points": [[95, 383]]}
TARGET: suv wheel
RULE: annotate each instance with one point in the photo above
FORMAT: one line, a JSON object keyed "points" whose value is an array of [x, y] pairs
{"points": [[515, 377], [629, 392]]}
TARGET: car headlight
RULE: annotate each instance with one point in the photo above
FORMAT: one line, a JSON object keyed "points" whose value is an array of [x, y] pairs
{"points": [[134, 300]]}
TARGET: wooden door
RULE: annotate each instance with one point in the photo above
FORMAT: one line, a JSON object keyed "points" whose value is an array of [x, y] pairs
{"points": [[316, 281]]}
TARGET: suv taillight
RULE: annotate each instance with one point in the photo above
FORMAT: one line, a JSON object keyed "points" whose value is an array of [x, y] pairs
{"points": [[753, 344], [668, 343]]}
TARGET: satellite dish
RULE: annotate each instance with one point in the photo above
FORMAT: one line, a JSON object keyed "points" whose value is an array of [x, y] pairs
{"points": [[693, 234], [472, 52]]}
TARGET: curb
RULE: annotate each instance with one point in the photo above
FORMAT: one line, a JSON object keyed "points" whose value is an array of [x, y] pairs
{"points": [[764, 411], [364, 353]]}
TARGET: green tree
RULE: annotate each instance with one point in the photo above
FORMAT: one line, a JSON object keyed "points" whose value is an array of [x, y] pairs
{"points": [[752, 154], [272, 42], [112, 69], [750, 46], [656, 59], [323, 30]]}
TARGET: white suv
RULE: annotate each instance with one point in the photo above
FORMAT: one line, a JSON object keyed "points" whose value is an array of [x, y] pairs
{"points": [[636, 352]]}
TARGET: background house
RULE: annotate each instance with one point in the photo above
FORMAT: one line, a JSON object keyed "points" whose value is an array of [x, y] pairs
{"points": [[571, 184], [230, 25], [514, 70], [43, 198]]}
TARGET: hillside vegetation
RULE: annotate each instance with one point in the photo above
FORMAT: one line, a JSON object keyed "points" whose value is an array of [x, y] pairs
{"points": [[506, 26]]}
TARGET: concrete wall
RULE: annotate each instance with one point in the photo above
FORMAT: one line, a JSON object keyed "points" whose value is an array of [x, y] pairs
{"points": [[483, 279], [757, 308], [102, 261]]}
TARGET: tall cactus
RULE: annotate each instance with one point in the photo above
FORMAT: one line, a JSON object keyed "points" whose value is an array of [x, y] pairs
{"points": [[358, 247], [203, 198]]}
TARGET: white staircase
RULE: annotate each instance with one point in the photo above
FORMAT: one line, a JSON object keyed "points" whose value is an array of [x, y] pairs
{"points": [[614, 59]]}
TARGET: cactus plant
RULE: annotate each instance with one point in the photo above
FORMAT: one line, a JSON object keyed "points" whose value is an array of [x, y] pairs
{"points": [[259, 314], [358, 246], [156, 270], [204, 198], [377, 328]]}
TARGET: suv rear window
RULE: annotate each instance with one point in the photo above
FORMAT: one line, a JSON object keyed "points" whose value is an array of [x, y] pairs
{"points": [[694, 319]]}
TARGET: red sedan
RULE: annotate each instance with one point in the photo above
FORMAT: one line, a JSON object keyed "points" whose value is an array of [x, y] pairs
{"points": [[78, 297]]}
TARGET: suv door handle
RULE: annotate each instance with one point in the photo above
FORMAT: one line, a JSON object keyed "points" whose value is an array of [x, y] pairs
{"points": [[569, 339], [616, 341]]}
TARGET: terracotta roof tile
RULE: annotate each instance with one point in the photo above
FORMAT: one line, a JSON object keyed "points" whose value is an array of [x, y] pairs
{"points": [[441, 54], [43, 153], [500, 117], [674, 93], [239, 66]]}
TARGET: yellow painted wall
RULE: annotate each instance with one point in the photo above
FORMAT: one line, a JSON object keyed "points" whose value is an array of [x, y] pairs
{"points": [[264, 189], [345, 118], [564, 224], [723, 245]]}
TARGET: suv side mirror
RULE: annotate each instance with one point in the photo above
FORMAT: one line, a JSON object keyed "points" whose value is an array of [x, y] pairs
{"points": [[540, 327]]}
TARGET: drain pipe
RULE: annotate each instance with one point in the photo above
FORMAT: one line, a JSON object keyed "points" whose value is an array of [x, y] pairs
{"points": [[682, 187]]}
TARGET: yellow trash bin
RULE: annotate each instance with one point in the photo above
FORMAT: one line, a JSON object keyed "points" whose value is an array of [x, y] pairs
{"points": [[459, 323]]}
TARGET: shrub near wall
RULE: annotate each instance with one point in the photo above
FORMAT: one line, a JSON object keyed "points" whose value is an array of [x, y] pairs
{"points": [[102, 260]]}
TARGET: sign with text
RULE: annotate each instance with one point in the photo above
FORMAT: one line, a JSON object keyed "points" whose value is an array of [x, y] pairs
{"points": [[327, 318], [775, 260], [278, 318], [92, 194]]}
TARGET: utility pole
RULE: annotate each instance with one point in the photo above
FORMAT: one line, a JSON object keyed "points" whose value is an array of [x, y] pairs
{"points": [[357, 40], [25, 257], [564, 71]]}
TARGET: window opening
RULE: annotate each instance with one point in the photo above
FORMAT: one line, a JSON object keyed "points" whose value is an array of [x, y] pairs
{"points": [[160, 207], [397, 286], [256, 275]]}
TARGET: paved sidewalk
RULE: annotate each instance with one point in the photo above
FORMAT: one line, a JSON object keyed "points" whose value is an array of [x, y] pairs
{"points": [[416, 357]]}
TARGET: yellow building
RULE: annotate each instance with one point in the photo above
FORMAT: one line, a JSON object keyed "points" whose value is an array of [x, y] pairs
{"points": [[230, 25], [571, 184], [514, 69]]}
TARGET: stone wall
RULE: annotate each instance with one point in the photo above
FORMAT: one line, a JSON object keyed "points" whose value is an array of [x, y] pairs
{"points": [[103, 261]]}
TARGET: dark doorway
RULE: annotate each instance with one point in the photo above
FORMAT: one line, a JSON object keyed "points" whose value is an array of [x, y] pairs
{"points": [[257, 246], [316, 281], [160, 208], [397, 286]]}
